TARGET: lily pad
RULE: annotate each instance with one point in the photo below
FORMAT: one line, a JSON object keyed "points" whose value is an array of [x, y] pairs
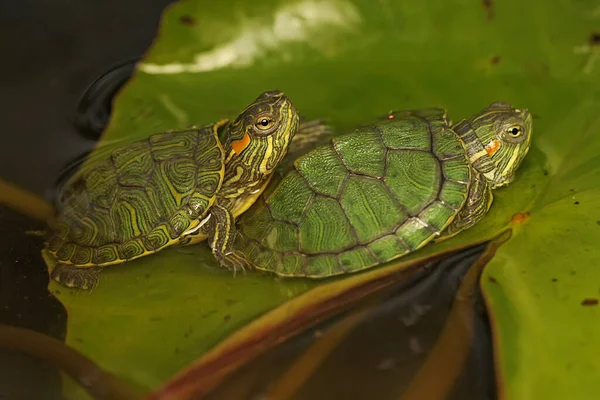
{"points": [[351, 61], [543, 286]]}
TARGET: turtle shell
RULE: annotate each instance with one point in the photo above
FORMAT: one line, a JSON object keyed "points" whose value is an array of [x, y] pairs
{"points": [[369, 196], [138, 198]]}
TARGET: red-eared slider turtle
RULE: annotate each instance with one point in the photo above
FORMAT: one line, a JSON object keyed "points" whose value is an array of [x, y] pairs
{"points": [[383, 190], [177, 187]]}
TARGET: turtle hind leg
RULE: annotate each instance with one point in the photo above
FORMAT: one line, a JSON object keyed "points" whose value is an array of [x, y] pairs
{"points": [[73, 277], [309, 134]]}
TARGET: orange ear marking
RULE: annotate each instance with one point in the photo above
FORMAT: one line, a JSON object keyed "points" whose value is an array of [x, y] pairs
{"points": [[492, 147], [239, 145]]}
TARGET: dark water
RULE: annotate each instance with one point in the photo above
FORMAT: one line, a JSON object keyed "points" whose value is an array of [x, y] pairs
{"points": [[48, 124], [380, 355], [52, 51], [26, 303]]}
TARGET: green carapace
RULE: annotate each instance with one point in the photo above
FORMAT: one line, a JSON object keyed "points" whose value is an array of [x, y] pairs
{"points": [[172, 188], [383, 190]]}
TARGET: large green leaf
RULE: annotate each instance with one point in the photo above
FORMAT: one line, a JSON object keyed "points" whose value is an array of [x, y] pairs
{"points": [[543, 287], [350, 61]]}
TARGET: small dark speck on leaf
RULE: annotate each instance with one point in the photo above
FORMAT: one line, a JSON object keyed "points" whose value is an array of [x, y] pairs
{"points": [[187, 20], [598, 222], [546, 173], [176, 350], [589, 302], [554, 280], [576, 203], [492, 279], [595, 38], [226, 318], [495, 60], [572, 190], [488, 5], [147, 276]]}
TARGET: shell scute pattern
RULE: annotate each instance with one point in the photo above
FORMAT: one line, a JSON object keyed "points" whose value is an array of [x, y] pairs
{"points": [[366, 196], [141, 198], [101, 181]]}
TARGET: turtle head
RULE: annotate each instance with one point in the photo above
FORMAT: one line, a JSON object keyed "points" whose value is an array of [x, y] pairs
{"points": [[497, 140], [260, 136]]}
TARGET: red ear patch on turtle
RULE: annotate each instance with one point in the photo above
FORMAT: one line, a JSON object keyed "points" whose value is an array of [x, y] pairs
{"points": [[492, 147], [239, 145]]}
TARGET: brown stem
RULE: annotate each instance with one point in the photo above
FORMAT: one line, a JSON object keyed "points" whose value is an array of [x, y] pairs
{"points": [[97, 382]]}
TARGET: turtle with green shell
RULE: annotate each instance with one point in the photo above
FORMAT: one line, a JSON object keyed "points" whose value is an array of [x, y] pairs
{"points": [[383, 190], [172, 188]]}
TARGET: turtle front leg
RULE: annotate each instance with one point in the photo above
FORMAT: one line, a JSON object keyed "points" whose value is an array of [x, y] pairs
{"points": [[221, 233], [478, 203]]}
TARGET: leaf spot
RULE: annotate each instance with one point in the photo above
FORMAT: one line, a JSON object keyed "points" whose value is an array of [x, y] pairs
{"points": [[488, 5], [589, 302], [519, 218], [187, 20]]}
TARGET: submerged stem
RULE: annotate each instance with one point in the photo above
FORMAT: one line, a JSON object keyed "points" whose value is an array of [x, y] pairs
{"points": [[98, 383], [25, 202]]}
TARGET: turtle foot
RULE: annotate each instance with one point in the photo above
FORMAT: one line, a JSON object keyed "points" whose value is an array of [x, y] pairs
{"points": [[233, 261], [79, 278]]}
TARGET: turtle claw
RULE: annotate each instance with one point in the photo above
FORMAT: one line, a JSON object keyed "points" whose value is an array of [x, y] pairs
{"points": [[234, 261], [235, 269]]}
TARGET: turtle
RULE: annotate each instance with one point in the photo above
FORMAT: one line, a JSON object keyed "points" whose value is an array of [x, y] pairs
{"points": [[173, 188], [383, 190]]}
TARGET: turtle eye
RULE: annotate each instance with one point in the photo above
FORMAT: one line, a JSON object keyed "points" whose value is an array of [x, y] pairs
{"points": [[515, 131], [264, 123]]}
